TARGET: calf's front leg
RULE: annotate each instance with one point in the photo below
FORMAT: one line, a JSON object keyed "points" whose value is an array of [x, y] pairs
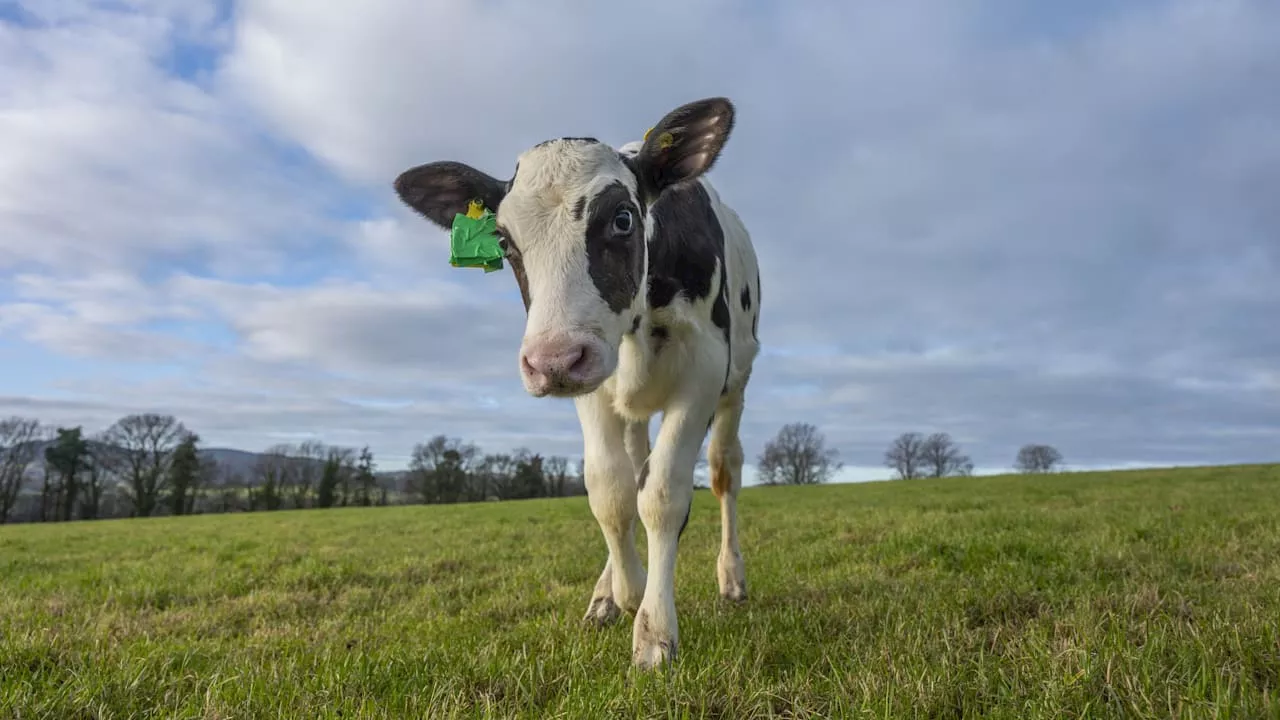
{"points": [[664, 504], [611, 491]]}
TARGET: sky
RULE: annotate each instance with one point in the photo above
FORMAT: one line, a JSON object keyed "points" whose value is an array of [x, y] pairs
{"points": [[1012, 222]]}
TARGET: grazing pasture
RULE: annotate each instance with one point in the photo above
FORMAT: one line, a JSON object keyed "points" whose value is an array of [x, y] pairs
{"points": [[1121, 594]]}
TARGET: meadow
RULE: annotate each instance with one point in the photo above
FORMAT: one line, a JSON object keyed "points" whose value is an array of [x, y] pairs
{"points": [[1119, 594]]}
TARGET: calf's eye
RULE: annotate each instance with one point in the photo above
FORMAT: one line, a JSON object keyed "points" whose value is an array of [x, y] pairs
{"points": [[622, 222]]}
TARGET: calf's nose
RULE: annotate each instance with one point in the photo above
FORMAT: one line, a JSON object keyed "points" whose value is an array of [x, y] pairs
{"points": [[556, 363]]}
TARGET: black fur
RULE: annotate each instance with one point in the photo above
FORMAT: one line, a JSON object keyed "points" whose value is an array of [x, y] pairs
{"points": [[615, 262], [695, 133], [720, 316], [720, 310], [755, 316], [687, 242], [440, 190], [686, 247]]}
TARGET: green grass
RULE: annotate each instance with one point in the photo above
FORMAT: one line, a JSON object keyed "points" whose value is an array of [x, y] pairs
{"points": [[1137, 594]]}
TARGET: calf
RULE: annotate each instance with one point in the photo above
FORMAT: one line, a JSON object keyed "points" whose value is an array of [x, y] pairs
{"points": [[642, 295]]}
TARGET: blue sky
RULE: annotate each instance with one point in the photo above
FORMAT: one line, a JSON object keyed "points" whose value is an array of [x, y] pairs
{"points": [[1014, 222]]}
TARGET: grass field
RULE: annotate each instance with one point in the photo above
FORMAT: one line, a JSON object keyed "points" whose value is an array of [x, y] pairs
{"points": [[1136, 594]]}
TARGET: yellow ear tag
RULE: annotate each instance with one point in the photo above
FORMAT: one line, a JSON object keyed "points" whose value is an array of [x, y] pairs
{"points": [[475, 210], [646, 134], [666, 140]]}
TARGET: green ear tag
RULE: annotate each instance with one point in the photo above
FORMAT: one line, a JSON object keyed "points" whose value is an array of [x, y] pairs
{"points": [[472, 240]]}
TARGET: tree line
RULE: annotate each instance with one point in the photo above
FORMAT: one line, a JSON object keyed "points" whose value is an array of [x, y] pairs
{"points": [[150, 464], [798, 455]]}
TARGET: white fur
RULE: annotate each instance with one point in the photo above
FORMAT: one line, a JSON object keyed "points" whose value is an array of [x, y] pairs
{"points": [[683, 383], [539, 213]]}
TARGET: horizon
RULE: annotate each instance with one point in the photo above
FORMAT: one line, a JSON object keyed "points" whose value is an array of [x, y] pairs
{"points": [[857, 474]]}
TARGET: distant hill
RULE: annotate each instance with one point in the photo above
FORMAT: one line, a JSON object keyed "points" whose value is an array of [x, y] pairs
{"points": [[231, 463], [240, 461]]}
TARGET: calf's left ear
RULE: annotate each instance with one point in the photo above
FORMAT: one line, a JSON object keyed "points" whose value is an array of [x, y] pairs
{"points": [[441, 190], [685, 144]]}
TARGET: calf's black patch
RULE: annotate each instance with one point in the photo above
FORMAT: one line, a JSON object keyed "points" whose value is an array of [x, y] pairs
{"points": [[720, 309], [685, 247], [720, 316], [755, 316], [615, 262]]}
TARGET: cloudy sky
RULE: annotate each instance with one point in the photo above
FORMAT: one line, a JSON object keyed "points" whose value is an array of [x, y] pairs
{"points": [[1012, 221]]}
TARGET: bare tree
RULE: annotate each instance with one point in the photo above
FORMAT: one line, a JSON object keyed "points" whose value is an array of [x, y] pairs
{"points": [[440, 468], [346, 459], [529, 480], [146, 443], [308, 467], [335, 477], [941, 457], [906, 455], [492, 477], [797, 455], [556, 472], [19, 446], [271, 474], [211, 475], [100, 466], [1037, 459]]}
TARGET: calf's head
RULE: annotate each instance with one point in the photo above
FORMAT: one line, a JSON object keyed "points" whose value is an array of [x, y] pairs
{"points": [[572, 223]]}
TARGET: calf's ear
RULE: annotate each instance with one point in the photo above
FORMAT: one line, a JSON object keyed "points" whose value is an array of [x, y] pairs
{"points": [[684, 144], [440, 190]]}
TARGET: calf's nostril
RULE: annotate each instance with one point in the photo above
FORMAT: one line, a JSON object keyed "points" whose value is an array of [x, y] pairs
{"points": [[580, 359]]}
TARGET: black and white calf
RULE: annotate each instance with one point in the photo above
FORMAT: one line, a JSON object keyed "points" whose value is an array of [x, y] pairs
{"points": [[643, 295]]}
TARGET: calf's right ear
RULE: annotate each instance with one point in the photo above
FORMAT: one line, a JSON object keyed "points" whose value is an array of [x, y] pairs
{"points": [[440, 190]]}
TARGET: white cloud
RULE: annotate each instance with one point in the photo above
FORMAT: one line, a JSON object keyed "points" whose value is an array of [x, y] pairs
{"points": [[113, 163], [968, 220]]}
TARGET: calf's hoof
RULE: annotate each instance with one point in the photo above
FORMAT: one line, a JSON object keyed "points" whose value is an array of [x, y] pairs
{"points": [[732, 577], [602, 612], [654, 655], [651, 648], [734, 592]]}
